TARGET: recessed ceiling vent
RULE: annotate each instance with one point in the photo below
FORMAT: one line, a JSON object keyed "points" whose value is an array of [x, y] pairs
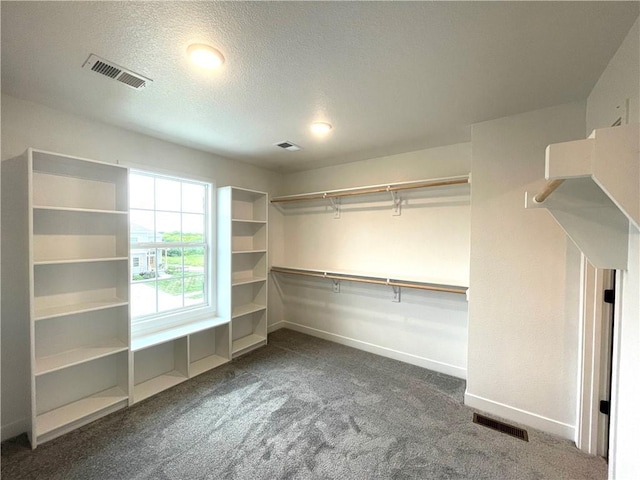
{"points": [[116, 72], [292, 147]]}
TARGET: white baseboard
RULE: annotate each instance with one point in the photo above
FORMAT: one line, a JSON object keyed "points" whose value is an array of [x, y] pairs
{"points": [[14, 429], [377, 349], [520, 416], [275, 326]]}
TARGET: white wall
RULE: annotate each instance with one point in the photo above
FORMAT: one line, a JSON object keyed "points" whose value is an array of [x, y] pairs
{"points": [[620, 81], [429, 241], [26, 124], [523, 308], [617, 85]]}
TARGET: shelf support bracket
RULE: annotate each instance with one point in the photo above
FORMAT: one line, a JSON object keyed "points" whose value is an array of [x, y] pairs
{"points": [[396, 292], [397, 201], [335, 204]]}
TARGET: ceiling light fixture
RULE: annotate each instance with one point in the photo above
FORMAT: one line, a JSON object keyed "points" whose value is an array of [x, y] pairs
{"points": [[205, 56], [321, 128]]}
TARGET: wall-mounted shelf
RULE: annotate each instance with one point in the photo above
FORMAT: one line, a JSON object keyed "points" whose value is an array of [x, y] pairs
{"points": [[593, 192], [395, 284], [391, 190]]}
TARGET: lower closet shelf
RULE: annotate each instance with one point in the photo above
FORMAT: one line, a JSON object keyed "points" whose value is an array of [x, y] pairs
{"points": [[80, 355], [206, 364], [248, 342], [80, 412], [157, 384]]}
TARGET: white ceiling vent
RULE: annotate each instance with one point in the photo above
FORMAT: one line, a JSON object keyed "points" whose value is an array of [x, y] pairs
{"points": [[292, 147], [116, 72]]}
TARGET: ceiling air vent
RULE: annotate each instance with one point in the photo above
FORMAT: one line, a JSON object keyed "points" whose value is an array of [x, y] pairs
{"points": [[116, 72], [292, 147]]}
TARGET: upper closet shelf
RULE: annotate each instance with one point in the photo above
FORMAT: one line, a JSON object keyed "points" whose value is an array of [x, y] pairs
{"points": [[593, 192], [391, 189], [395, 284]]}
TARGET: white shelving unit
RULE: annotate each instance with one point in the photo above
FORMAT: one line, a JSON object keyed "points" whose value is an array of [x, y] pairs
{"points": [[168, 357], [67, 231], [242, 266]]}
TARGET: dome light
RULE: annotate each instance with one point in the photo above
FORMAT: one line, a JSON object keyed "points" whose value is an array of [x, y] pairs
{"points": [[321, 128], [205, 56]]}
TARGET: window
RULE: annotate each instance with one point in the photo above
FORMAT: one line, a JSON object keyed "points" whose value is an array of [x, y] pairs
{"points": [[170, 248]]}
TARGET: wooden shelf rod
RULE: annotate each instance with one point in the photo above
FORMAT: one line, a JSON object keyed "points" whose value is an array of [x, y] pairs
{"points": [[548, 190], [372, 280], [392, 187]]}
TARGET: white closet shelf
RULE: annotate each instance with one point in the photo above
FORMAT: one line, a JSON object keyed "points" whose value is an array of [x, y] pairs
{"points": [[246, 343], [242, 220], [79, 260], [236, 252], [157, 384], [243, 310], [142, 341], [61, 311], [79, 210], [78, 410], [373, 279], [205, 364], [77, 356], [373, 189], [248, 280]]}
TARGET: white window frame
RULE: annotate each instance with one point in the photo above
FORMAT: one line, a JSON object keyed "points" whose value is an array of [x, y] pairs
{"points": [[164, 320]]}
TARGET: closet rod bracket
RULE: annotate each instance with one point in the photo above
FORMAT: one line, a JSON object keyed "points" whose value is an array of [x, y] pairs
{"points": [[336, 286], [396, 291], [335, 205], [395, 198]]}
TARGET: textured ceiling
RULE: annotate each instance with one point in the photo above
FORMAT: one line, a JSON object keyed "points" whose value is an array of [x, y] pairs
{"points": [[390, 76]]}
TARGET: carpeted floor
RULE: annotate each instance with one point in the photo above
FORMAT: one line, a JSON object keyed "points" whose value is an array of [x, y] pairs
{"points": [[301, 408]]}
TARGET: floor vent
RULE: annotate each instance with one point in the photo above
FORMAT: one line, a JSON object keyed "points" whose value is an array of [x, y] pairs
{"points": [[501, 427], [116, 72]]}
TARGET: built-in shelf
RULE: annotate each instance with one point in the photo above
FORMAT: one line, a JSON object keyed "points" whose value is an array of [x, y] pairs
{"points": [[64, 310], [254, 222], [79, 210], [157, 384], [205, 364], [236, 252], [592, 192], [246, 281], [249, 342], [77, 356], [78, 410], [142, 341], [78, 260], [247, 309]]}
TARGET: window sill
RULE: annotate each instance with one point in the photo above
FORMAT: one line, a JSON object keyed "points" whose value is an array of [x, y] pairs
{"points": [[144, 340]]}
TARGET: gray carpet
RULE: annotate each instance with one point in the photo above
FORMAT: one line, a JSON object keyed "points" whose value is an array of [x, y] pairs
{"points": [[301, 408]]}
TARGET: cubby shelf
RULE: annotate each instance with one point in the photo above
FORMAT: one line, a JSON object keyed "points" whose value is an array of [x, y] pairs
{"points": [[247, 343], [157, 384], [80, 410], [246, 281], [142, 341], [205, 364], [76, 356]]}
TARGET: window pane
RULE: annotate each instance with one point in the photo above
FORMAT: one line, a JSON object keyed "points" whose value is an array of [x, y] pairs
{"points": [[172, 262], [141, 226], [194, 290], [167, 195], [169, 294], [141, 191], [143, 298], [194, 261], [193, 197], [192, 228], [168, 227], [143, 266]]}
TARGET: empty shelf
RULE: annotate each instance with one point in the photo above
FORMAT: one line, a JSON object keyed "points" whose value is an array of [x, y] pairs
{"points": [[64, 261], [59, 417], [157, 384], [79, 355], [247, 342], [241, 220], [247, 280], [80, 210], [205, 364], [52, 312], [246, 310], [249, 251], [140, 342]]}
